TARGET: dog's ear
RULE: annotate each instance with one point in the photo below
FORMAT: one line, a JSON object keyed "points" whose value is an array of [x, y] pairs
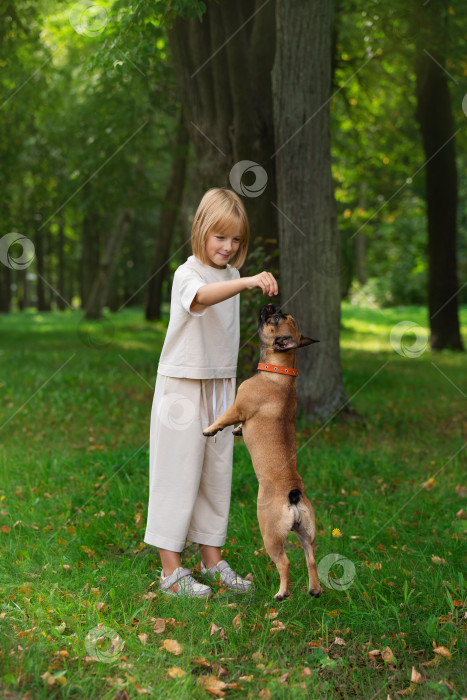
{"points": [[306, 341], [283, 345]]}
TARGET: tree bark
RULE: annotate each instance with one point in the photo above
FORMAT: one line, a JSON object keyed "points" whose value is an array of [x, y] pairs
{"points": [[168, 218], [100, 289], [224, 80], [61, 262], [310, 280], [434, 114], [90, 248]]}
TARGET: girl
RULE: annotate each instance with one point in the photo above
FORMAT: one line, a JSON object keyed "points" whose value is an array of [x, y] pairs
{"points": [[189, 474]]}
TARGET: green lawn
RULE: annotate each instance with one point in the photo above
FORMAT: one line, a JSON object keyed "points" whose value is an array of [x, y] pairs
{"points": [[75, 404]]}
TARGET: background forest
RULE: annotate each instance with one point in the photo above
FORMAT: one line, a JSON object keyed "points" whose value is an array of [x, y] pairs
{"points": [[89, 137]]}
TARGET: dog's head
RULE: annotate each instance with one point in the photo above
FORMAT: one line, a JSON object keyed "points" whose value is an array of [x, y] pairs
{"points": [[280, 331]]}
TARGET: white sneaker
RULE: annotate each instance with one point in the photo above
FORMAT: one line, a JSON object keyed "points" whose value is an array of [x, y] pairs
{"points": [[228, 577], [182, 583]]}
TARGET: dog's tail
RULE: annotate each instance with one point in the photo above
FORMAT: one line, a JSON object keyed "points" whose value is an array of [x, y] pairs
{"points": [[295, 496]]}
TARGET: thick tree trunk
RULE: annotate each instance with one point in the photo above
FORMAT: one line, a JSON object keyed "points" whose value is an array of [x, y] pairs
{"points": [[224, 81], [100, 289], [437, 127], [309, 236], [168, 218]]}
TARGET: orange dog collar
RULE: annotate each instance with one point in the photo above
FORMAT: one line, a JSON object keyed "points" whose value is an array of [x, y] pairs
{"points": [[278, 369]]}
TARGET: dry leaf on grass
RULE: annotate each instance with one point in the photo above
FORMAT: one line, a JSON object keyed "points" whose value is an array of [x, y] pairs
{"points": [[438, 560], [257, 656], [201, 661], [339, 641], [265, 693], [407, 691], [246, 678], [277, 626], [176, 672], [212, 685], [214, 629], [388, 656], [416, 676], [172, 646], [140, 690], [236, 622], [442, 651], [159, 627], [143, 637]]}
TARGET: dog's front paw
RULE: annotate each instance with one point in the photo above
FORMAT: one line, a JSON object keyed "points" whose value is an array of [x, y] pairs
{"points": [[238, 430], [209, 432]]}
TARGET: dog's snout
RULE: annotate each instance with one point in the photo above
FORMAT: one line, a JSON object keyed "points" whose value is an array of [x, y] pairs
{"points": [[267, 311]]}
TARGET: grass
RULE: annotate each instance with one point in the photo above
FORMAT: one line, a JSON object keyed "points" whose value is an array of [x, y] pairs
{"points": [[74, 421]]}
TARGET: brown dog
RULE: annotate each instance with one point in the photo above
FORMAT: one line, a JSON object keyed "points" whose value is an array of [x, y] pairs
{"points": [[266, 406]]}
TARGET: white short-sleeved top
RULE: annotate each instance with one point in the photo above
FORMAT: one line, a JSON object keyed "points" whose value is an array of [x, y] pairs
{"points": [[201, 345]]}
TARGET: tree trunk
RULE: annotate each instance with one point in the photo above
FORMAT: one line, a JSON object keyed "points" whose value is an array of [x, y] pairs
{"points": [[310, 280], [168, 218], [437, 127], [225, 87], [42, 304], [100, 289], [5, 289], [90, 251], [61, 262]]}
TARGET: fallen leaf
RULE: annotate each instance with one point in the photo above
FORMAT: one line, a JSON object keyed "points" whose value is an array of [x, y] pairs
{"points": [[214, 629], [257, 656], [407, 691], [416, 676], [461, 514], [388, 656], [212, 685], [143, 637], [172, 646], [442, 651], [236, 622], [284, 678], [438, 560], [176, 672], [202, 662], [277, 626], [264, 693], [246, 678], [140, 690], [159, 627], [338, 640]]}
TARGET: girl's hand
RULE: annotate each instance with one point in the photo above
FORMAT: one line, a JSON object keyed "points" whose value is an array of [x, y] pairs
{"points": [[264, 281]]}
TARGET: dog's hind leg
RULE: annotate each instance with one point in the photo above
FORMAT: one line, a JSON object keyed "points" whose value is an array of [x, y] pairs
{"points": [[274, 545], [306, 534]]}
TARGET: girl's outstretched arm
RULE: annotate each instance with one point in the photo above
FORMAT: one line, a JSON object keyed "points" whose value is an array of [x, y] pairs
{"points": [[215, 292]]}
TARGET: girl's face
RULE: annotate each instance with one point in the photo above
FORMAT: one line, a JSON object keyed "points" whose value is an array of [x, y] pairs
{"points": [[221, 247]]}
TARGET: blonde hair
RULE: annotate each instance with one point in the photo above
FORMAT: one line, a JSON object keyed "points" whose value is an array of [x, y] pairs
{"points": [[219, 210]]}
